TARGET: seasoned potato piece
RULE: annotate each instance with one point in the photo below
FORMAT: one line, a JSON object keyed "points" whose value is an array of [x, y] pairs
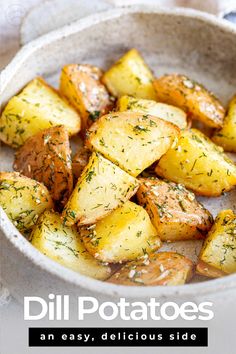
{"points": [[219, 248], [81, 85], [45, 157], [226, 137], [206, 270], [161, 110], [132, 140], [23, 199], [173, 210], [63, 245], [101, 188], [130, 76], [192, 97], [36, 108], [79, 161], [125, 234], [164, 268], [199, 164]]}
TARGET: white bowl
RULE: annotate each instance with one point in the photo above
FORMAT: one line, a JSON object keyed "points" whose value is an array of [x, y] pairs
{"points": [[184, 41]]}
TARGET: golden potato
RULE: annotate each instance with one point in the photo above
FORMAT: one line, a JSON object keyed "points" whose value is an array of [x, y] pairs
{"points": [[131, 140], [63, 245], [23, 199], [164, 111], [81, 85], [206, 270], [101, 188], [36, 108], [130, 76], [80, 160], [219, 248], [192, 97], [125, 234], [45, 157], [173, 210], [226, 137], [199, 164], [164, 268]]}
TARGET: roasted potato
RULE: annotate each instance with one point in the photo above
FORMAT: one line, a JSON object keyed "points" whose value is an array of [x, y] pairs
{"points": [[63, 245], [80, 160], [173, 210], [192, 97], [101, 188], [23, 199], [164, 268], [45, 157], [36, 108], [130, 76], [226, 137], [206, 270], [164, 111], [199, 164], [124, 235], [131, 140], [81, 85], [219, 248]]}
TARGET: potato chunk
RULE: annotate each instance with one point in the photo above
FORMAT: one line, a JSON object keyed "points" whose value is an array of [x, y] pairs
{"points": [[23, 199], [125, 234], [101, 188], [80, 160], [130, 76], [164, 268], [226, 137], [81, 85], [199, 164], [192, 97], [206, 270], [63, 245], [173, 210], [161, 110], [219, 248], [45, 157], [36, 108], [131, 140]]}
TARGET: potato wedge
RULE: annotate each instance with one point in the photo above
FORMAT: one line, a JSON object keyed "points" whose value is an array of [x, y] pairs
{"points": [[124, 235], [81, 85], [164, 268], [36, 108], [173, 210], [23, 199], [164, 111], [192, 97], [101, 188], [226, 137], [80, 160], [199, 164], [130, 76], [219, 248], [131, 140], [63, 245], [45, 157]]}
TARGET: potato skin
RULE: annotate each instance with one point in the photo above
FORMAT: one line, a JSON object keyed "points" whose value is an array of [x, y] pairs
{"points": [[174, 211], [219, 248], [101, 188], [79, 161], [206, 270], [123, 235], [23, 199], [226, 137], [198, 164], [63, 245], [163, 268], [45, 157], [130, 76], [131, 140], [37, 107], [192, 97], [81, 85]]}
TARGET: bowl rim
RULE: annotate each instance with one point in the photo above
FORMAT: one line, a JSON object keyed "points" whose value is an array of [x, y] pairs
{"points": [[9, 231]]}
